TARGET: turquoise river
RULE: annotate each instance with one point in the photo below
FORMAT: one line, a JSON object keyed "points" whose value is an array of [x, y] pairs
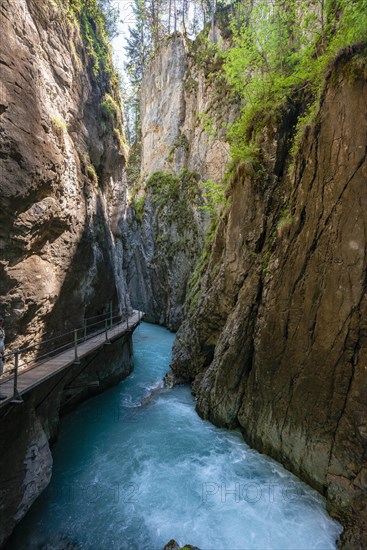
{"points": [[136, 466]]}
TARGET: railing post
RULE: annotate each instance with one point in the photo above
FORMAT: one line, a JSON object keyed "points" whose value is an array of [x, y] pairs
{"points": [[111, 314], [85, 329], [106, 329], [76, 358], [16, 364], [16, 395]]}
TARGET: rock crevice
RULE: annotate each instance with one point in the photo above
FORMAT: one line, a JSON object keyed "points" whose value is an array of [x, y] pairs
{"points": [[287, 340]]}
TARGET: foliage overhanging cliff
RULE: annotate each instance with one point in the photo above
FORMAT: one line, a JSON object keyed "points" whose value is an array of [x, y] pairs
{"points": [[273, 338]]}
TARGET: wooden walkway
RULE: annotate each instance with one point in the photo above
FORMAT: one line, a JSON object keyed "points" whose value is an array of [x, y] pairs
{"points": [[29, 379]]}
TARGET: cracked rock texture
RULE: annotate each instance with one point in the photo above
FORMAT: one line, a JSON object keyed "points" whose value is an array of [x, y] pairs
{"points": [[182, 117], [277, 341], [62, 193], [182, 111], [62, 187]]}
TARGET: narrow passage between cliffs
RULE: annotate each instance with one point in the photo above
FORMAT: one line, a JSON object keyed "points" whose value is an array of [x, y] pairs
{"points": [[136, 466]]}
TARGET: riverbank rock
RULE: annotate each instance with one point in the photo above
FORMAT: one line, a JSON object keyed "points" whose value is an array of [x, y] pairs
{"points": [[276, 342], [173, 545]]}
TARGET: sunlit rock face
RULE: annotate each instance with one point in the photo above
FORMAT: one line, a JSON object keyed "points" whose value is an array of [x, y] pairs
{"points": [[61, 251], [276, 345], [163, 105], [184, 112]]}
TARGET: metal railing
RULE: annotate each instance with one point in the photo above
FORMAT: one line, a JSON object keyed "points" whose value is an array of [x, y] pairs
{"points": [[103, 323]]}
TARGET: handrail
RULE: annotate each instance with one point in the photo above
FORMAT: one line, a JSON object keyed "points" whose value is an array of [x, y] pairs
{"points": [[62, 335], [52, 351], [40, 359]]}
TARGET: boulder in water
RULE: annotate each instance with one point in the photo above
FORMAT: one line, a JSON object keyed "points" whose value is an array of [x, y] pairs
{"points": [[173, 545]]}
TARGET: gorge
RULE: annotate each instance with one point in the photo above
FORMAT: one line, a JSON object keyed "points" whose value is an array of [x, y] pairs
{"points": [[237, 219], [112, 483]]}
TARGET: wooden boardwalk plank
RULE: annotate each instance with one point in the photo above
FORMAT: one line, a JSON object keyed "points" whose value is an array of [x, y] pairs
{"points": [[31, 378]]}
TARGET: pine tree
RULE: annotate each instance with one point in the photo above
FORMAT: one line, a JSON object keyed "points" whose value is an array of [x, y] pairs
{"points": [[139, 44], [111, 14]]}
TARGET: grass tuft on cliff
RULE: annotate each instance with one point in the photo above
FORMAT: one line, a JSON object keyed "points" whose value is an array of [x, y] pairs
{"points": [[282, 49], [93, 27]]}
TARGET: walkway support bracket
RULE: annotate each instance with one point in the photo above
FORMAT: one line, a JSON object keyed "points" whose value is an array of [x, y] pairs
{"points": [[76, 358], [16, 395], [107, 342], [111, 315]]}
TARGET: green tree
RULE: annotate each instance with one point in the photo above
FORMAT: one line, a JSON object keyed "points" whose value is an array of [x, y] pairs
{"points": [[139, 44], [281, 47], [111, 14]]}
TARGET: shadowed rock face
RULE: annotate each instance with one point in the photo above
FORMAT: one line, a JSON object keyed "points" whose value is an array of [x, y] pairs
{"points": [[277, 344], [61, 251], [27, 429], [62, 197], [161, 254]]}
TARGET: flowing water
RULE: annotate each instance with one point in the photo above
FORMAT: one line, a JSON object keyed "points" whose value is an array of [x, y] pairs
{"points": [[136, 466]]}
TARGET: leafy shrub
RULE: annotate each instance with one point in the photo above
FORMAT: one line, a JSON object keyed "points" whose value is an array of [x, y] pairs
{"points": [[139, 205], [279, 48], [215, 197]]}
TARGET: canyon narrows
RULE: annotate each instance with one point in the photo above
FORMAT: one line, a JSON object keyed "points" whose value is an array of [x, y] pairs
{"points": [[227, 204]]}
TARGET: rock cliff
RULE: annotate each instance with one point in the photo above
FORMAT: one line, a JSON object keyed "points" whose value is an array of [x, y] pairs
{"points": [[275, 342], [62, 158], [183, 112], [62, 186]]}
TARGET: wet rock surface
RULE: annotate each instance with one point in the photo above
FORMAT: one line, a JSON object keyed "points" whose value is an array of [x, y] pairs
{"points": [[276, 344], [173, 545]]}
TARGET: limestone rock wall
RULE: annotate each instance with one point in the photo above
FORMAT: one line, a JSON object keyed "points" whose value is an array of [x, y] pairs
{"points": [[183, 109], [182, 115], [164, 247], [62, 175], [276, 343]]}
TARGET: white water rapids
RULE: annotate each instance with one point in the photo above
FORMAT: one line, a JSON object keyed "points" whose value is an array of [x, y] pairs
{"points": [[136, 467]]}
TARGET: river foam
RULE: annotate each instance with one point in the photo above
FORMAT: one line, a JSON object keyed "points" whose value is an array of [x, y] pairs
{"points": [[136, 466]]}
